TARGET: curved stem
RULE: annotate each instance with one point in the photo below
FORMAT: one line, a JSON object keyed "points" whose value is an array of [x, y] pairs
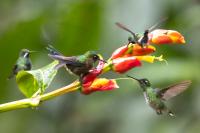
{"points": [[35, 101], [66, 89]]}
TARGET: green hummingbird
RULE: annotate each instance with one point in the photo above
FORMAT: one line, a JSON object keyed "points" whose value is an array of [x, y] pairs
{"points": [[155, 97], [23, 62], [79, 65]]}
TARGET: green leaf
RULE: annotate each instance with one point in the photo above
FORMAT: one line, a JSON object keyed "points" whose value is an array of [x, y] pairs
{"points": [[35, 82]]}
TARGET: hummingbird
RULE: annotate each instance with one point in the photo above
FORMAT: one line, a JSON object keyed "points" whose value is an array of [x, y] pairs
{"points": [[141, 40], [155, 97], [23, 62], [79, 65]]}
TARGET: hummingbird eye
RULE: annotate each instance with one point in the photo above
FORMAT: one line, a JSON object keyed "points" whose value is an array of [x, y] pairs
{"points": [[95, 57], [147, 82]]}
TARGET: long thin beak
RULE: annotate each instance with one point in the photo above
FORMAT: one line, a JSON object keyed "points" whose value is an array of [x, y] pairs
{"points": [[103, 61], [132, 77], [33, 51], [101, 58]]}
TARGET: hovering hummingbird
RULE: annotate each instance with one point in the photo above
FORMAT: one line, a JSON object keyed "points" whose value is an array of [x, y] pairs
{"points": [[23, 62], [79, 65], [141, 40], [155, 97]]}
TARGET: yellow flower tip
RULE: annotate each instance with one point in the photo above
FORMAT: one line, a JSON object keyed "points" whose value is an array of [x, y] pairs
{"points": [[160, 58], [115, 83], [147, 58]]}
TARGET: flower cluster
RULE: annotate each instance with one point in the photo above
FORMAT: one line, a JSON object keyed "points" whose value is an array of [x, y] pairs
{"points": [[127, 57]]}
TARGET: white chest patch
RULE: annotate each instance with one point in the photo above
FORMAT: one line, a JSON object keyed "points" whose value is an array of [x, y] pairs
{"points": [[146, 97]]}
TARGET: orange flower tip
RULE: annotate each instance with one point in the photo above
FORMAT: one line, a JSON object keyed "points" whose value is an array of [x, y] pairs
{"points": [[99, 84], [161, 36], [182, 40], [151, 47], [176, 36]]}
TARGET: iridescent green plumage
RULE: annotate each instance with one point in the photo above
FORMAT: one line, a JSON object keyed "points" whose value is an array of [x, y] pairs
{"points": [[78, 65], [155, 97], [23, 62]]}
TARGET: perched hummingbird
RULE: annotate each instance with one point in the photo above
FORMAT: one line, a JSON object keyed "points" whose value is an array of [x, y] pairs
{"points": [[23, 62], [155, 97], [78, 65]]}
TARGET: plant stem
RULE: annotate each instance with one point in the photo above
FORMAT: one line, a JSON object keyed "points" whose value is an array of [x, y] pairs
{"points": [[66, 89], [35, 101]]}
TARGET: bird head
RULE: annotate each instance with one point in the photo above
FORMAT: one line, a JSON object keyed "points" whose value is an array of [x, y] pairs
{"points": [[24, 53], [92, 55], [143, 82]]}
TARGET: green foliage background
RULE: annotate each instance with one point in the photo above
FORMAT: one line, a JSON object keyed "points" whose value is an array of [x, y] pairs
{"points": [[75, 26]]}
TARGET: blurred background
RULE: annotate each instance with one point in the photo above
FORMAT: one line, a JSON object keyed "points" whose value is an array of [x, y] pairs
{"points": [[75, 26]]}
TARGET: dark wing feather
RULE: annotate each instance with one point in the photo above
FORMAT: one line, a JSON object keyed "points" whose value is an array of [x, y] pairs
{"points": [[67, 60], [52, 50], [173, 90], [126, 29], [14, 72]]}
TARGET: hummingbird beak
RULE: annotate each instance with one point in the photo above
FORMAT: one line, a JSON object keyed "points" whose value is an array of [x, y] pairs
{"points": [[103, 61], [101, 58], [133, 78], [33, 51]]}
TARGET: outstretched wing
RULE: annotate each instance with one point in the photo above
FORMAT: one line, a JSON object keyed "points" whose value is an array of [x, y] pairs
{"points": [[173, 90], [52, 50], [67, 60]]}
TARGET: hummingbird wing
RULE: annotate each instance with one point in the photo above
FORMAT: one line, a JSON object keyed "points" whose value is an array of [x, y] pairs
{"points": [[52, 50], [14, 71], [173, 90], [67, 60]]}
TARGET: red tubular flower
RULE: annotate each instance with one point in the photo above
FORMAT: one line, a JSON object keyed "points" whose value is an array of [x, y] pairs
{"points": [[93, 73], [132, 50], [91, 83], [161, 36], [99, 84], [120, 52], [124, 64]]}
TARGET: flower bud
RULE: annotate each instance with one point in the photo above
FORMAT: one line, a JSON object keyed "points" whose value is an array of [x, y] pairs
{"points": [[124, 64]]}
